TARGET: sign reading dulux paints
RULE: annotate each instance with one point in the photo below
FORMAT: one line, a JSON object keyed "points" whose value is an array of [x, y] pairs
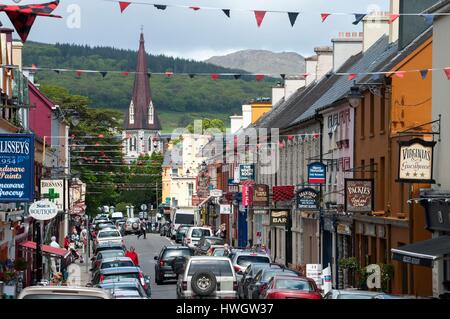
{"points": [[317, 173], [43, 210]]}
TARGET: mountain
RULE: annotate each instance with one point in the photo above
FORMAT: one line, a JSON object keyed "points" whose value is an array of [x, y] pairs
{"points": [[261, 61], [178, 100]]}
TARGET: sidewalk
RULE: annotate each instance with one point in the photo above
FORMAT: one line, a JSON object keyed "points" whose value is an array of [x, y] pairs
{"points": [[80, 275]]}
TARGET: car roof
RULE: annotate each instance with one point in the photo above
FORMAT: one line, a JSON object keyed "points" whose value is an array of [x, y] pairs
{"points": [[357, 292], [68, 290], [209, 258], [118, 258], [132, 282], [251, 253], [212, 237], [176, 247], [119, 270], [108, 244]]}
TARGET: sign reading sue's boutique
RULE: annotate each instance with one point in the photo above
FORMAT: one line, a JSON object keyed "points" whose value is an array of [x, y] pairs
{"points": [[359, 195], [416, 161]]}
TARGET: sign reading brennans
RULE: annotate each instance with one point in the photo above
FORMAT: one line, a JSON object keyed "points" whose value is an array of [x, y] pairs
{"points": [[416, 161], [16, 167], [359, 196]]}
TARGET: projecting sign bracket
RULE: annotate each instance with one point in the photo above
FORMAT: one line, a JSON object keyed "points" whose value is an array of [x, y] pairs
{"points": [[434, 130]]}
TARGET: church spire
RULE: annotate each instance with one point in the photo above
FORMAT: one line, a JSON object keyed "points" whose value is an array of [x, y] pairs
{"points": [[141, 112]]}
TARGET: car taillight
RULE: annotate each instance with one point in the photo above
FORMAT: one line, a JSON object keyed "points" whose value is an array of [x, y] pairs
{"points": [[102, 278], [161, 263], [235, 286], [236, 268], [188, 240], [141, 278], [184, 285]]}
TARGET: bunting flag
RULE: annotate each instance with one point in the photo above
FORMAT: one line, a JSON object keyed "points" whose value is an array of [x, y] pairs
{"points": [[103, 73], [33, 67], [324, 16], [78, 73], [358, 18], [305, 75], [22, 23], [428, 18], [393, 17], [149, 75], [316, 136], [281, 145], [400, 74], [237, 76], [290, 137], [169, 74], [447, 73], [195, 8], [293, 17], [160, 6], [283, 193], [423, 74], [283, 76], [214, 76], [227, 12], [259, 15], [123, 5], [259, 77], [57, 71], [352, 76], [125, 73]]}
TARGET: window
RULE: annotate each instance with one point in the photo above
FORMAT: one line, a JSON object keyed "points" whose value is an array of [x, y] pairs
{"points": [[133, 144], [246, 260], [118, 263], [107, 234], [289, 284], [198, 233], [363, 167], [131, 112], [372, 114], [191, 189], [150, 113], [381, 180], [172, 253], [218, 267]]}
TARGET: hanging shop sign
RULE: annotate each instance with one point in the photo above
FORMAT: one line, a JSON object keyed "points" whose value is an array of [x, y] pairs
{"points": [[247, 196], [16, 167], [415, 163], [43, 210], [216, 193], [359, 197], [343, 229], [246, 172], [225, 209], [53, 190], [261, 195], [279, 217], [317, 173], [308, 199], [203, 185]]}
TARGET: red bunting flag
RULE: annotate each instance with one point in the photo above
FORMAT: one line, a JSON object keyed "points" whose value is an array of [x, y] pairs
{"points": [[78, 73], [259, 15], [125, 73], [33, 66], [101, 136], [400, 74], [123, 5], [259, 77], [214, 76], [169, 74], [393, 17], [316, 136], [305, 75], [352, 76], [290, 137], [281, 145], [447, 73], [324, 16], [195, 8]]}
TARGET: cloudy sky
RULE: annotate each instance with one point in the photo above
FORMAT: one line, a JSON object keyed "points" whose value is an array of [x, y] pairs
{"points": [[198, 34]]}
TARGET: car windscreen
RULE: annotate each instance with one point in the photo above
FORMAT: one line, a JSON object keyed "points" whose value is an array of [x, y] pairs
{"points": [[105, 225], [59, 296], [184, 219], [354, 296], [219, 252], [110, 254], [270, 273], [182, 230], [172, 253], [198, 233], [215, 241], [118, 263], [246, 259], [218, 267], [120, 276], [289, 284], [106, 234]]}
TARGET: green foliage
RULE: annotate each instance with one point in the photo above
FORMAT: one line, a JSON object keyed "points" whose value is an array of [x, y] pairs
{"points": [[122, 207], [20, 264], [208, 124], [350, 263]]}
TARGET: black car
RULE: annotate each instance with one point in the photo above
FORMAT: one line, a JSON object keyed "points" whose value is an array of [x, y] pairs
{"points": [[205, 243], [163, 266], [249, 274], [259, 282]]}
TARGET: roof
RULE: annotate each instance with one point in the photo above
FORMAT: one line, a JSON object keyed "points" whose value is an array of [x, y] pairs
{"points": [[61, 252], [142, 97]]}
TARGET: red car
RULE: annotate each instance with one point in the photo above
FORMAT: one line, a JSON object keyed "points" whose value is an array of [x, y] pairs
{"points": [[290, 287]]}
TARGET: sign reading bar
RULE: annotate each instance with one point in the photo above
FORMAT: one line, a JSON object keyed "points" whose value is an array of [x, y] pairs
{"points": [[261, 195], [415, 163], [308, 198], [246, 172], [16, 167], [359, 195], [43, 210], [279, 217], [317, 173]]}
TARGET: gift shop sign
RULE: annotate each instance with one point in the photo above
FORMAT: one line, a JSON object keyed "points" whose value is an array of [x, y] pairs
{"points": [[416, 161], [359, 195], [16, 167], [43, 210]]}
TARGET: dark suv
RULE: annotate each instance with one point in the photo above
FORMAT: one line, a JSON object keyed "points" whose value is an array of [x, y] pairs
{"points": [[163, 266]]}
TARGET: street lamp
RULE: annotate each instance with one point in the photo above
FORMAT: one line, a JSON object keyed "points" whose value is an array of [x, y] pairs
{"points": [[354, 97], [204, 166]]}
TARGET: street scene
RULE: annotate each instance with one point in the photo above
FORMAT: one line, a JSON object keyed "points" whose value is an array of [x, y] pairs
{"points": [[221, 150]]}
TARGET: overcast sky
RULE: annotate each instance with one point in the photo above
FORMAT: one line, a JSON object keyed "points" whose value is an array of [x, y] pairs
{"points": [[199, 34]]}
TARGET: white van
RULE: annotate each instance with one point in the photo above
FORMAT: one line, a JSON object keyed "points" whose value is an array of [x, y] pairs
{"points": [[182, 217], [116, 215]]}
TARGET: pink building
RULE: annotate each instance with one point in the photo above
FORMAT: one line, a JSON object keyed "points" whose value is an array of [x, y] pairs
{"points": [[40, 112]]}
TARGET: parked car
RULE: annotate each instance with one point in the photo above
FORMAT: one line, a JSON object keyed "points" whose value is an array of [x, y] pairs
{"points": [[193, 235], [105, 254], [112, 262], [247, 276], [163, 266], [261, 279], [241, 259], [351, 294], [112, 236], [127, 294], [108, 246], [132, 226], [56, 292], [289, 287], [181, 232], [101, 226], [205, 243], [118, 273], [202, 276], [217, 251], [124, 284]]}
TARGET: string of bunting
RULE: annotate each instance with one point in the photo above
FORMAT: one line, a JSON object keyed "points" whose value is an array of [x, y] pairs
{"points": [[292, 15]]}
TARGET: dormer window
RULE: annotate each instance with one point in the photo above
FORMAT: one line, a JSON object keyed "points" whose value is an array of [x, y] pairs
{"points": [[150, 113], [131, 113]]}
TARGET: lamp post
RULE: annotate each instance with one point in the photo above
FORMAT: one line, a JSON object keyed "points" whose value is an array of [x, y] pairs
{"points": [[354, 97]]}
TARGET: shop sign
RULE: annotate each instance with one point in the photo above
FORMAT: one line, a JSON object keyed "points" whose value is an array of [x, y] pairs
{"points": [[415, 163], [246, 172], [279, 217], [308, 198], [216, 193], [261, 195], [314, 271], [344, 229], [317, 173], [233, 187], [437, 215], [16, 167], [225, 209], [203, 185], [53, 190], [260, 212], [43, 210], [247, 195], [359, 197]]}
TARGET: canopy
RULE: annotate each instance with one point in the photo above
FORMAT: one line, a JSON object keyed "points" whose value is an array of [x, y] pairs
{"points": [[422, 253], [46, 249]]}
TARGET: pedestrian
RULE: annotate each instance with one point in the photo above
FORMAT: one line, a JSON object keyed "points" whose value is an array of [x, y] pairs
{"points": [[54, 243], [142, 230], [66, 242], [266, 249], [226, 250], [53, 259], [131, 253]]}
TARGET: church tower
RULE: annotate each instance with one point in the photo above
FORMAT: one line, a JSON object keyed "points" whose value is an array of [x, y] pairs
{"points": [[141, 134]]}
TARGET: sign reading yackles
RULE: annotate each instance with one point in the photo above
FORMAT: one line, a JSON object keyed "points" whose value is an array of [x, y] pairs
{"points": [[359, 195]]}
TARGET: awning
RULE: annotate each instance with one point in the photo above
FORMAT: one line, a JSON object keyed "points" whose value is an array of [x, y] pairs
{"points": [[60, 252], [423, 253]]}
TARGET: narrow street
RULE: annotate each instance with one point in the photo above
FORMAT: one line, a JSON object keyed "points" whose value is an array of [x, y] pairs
{"points": [[147, 249]]}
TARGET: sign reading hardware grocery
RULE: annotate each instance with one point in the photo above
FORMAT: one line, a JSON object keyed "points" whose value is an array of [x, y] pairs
{"points": [[16, 167], [359, 195], [307, 198], [246, 172], [416, 161], [279, 217], [317, 173]]}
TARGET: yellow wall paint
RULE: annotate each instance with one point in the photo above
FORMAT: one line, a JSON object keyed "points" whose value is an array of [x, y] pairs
{"points": [[258, 110]]}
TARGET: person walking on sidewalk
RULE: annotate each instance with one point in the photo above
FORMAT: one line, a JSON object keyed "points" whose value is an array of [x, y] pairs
{"points": [[142, 230], [131, 253]]}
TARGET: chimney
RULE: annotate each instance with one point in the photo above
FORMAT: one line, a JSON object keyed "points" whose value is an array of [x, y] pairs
{"points": [[236, 123], [246, 115], [292, 84], [277, 94], [311, 67], [17, 53], [375, 26], [324, 61], [346, 45], [393, 27]]}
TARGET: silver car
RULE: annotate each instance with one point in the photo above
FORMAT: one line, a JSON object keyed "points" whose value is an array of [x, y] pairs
{"points": [[207, 277], [62, 292], [132, 225]]}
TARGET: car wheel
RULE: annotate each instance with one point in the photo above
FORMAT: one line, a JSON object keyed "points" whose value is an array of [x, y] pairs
{"points": [[203, 283]]}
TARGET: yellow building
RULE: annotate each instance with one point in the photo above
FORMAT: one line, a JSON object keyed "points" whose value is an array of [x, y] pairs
{"points": [[259, 109]]}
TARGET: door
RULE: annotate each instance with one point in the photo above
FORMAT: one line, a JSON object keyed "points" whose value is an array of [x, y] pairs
{"points": [[327, 248], [242, 229]]}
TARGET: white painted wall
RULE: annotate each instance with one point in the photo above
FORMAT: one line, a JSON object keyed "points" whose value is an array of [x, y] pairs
{"points": [[277, 94], [345, 46], [235, 123], [374, 27], [246, 115]]}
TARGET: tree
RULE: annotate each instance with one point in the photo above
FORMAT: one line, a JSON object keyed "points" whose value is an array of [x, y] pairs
{"points": [[208, 124]]}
